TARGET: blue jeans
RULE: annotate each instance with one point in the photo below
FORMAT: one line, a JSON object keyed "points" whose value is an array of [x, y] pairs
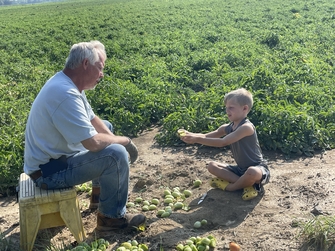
{"points": [[108, 168]]}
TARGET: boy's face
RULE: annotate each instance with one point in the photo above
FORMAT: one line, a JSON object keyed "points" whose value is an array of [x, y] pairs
{"points": [[235, 111]]}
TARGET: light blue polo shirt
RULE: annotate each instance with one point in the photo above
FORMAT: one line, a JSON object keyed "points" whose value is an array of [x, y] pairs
{"points": [[59, 119]]}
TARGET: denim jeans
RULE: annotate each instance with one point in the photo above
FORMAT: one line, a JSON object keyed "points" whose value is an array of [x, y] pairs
{"points": [[108, 168]]}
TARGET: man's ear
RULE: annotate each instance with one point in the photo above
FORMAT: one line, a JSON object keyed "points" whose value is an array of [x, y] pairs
{"points": [[85, 63]]}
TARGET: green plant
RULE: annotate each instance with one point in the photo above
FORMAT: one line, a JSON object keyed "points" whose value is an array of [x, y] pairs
{"points": [[163, 70], [318, 233], [5, 243]]}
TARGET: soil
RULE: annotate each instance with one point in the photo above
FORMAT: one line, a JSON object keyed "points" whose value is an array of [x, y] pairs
{"points": [[300, 188]]}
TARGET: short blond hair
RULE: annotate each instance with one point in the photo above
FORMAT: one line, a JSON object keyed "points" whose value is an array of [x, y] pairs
{"points": [[241, 96]]}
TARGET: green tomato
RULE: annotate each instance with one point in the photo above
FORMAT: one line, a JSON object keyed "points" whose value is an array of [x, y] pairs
{"points": [[187, 248], [102, 247], [130, 204], [160, 212], [165, 214], [193, 247], [212, 243], [189, 242], [134, 243], [168, 201], [138, 200], [146, 203], [169, 196], [187, 193], [94, 244], [201, 248], [197, 183], [205, 241], [143, 247], [193, 239], [180, 247], [152, 207], [178, 205], [145, 208], [197, 224], [126, 245], [101, 241], [84, 244], [204, 222], [167, 192]]}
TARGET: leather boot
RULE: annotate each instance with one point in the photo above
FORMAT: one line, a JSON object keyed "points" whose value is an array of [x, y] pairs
{"points": [[128, 221], [95, 196]]}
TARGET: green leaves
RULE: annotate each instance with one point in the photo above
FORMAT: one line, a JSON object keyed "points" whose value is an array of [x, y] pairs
{"points": [[162, 69]]}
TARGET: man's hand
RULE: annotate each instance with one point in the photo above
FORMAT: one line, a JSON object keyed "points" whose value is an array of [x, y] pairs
{"points": [[132, 150]]}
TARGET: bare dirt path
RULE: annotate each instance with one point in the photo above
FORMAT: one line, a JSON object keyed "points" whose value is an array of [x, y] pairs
{"points": [[299, 188]]}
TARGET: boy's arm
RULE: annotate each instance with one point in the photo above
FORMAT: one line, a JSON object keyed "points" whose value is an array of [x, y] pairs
{"points": [[221, 131], [218, 133], [241, 132]]}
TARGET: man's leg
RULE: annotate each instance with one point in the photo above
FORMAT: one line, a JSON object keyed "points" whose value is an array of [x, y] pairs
{"points": [[111, 167], [95, 195]]}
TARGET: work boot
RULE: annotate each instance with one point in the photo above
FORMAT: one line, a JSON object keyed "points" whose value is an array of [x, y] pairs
{"points": [[95, 197], [128, 221]]}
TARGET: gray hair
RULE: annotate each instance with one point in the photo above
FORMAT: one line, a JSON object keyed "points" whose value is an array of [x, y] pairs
{"points": [[241, 96], [85, 50]]}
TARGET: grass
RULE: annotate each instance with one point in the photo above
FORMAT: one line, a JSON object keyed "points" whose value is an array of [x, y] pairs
{"points": [[5, 243], [318, 233]]}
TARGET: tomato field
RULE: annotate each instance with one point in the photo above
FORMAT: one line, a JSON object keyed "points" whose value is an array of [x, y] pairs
{"points": [[170, 63]]}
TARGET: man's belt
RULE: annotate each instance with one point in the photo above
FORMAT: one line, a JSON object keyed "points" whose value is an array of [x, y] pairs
{"points": [[35, 175]]}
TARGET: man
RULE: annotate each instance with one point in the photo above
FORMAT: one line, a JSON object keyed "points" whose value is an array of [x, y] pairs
{"points": [[66, 144]]}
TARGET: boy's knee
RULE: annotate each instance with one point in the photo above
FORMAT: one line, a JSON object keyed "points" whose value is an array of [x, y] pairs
{"points": [[254, 172], [211, 166]]}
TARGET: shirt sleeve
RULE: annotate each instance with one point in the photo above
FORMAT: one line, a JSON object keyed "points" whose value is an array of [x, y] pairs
{"points": [[73, 119]]}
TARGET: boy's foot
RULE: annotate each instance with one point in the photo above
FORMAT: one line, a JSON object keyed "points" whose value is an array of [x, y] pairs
{"points": [[249, 193], [218, 183], [128, 221]]}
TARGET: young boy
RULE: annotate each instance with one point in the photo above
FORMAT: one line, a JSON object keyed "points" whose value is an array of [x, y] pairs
{"points": [[251, 171]]}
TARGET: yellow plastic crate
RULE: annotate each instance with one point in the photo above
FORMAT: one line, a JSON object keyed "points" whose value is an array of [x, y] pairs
{"points": [[40, 209]]}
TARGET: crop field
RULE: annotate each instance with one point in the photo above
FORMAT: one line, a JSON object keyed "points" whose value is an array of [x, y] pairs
{"points": [[171, 62]]}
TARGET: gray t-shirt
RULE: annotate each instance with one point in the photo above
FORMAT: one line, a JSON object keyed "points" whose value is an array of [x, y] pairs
{"points": [[59, 119], [246, 151]]}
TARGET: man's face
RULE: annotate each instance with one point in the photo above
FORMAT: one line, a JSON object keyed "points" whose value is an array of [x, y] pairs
{"points": [[94, 73]]}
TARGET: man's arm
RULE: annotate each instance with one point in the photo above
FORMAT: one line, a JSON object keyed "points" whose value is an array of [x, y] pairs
{"points": [[103, 138], [100, 126]]}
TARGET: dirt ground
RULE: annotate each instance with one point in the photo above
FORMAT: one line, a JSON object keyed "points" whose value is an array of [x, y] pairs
{"points": [[299, 187]]}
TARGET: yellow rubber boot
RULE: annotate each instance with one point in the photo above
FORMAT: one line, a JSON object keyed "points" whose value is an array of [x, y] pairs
{"points": [[218, 183], [249, 193]]}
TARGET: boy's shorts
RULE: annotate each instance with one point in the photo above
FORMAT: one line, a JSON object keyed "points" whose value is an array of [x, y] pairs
{"points": [[264, 168]]}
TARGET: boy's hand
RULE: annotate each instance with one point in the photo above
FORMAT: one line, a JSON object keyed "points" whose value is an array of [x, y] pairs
{"points": [[189, 139]]}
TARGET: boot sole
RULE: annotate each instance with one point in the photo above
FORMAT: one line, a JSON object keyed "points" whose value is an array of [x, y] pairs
{"points": [[104, 229]]}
